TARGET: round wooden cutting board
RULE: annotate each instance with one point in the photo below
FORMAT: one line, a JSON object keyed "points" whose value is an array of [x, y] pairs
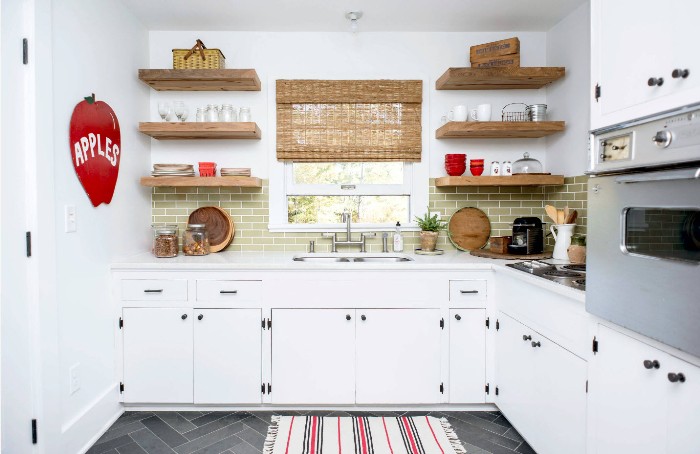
{"points": [[469, 229], [219, 226]]}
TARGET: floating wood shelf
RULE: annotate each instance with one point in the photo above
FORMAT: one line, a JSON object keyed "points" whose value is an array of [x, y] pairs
{"points": [[498, 129], [200, 130], [241, 182], [515, 180], [201, 79], [498, 78]]}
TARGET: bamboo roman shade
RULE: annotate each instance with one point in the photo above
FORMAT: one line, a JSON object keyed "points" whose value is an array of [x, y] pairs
{"points": [[349, 120]]}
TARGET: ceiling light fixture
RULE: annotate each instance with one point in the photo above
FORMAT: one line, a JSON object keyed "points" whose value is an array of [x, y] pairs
{"points": [[353, 17]]}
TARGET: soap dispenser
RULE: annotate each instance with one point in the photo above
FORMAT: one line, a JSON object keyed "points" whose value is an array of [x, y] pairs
{"points": [[398, 239]]}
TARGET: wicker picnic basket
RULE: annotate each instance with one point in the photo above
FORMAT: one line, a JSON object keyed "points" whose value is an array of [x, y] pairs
{"points": [[198, 57]]}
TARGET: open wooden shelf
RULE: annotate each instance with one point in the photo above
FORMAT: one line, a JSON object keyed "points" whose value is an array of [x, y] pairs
{"points": [[201, 79], [498, 129], [241, 182], [200, 130], [498, 78], [514, 180]]}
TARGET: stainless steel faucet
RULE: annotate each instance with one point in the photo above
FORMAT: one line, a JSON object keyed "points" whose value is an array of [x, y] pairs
{"points": [[347, 219]]}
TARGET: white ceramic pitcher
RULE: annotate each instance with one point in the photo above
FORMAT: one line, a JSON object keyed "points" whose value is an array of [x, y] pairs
{"points": [[563, 240]]}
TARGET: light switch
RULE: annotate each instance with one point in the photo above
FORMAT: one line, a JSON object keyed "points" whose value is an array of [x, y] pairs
{"points": [[71, 219]]}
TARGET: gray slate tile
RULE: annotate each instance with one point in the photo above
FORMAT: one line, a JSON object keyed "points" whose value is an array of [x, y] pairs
{"points": [[525, 449], [220, 445], [176, 421], [131, 448], [209, 417], [482, 439], [245, 448], [190, 415], [106, 445], [257, 424], [215, 425], [210, 438], [119, 431], [163, 431], [150, 442], [252, 437]]}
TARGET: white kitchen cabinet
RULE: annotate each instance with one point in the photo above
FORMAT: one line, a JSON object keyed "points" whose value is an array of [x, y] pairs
{"points": [[541, 385], [227, 356], [635, 406], [313, 356], [157, 355], [634, 41], [467, 356], [398, 356]]}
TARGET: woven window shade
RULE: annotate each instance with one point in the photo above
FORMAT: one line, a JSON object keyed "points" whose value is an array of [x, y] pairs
{"points": [[349, 120]]}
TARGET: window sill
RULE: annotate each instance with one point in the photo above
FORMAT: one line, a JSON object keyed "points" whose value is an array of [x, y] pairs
{"points": [[322, 228]]}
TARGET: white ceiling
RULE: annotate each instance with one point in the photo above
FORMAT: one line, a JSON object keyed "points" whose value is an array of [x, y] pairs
{"points": [[329, 15]]}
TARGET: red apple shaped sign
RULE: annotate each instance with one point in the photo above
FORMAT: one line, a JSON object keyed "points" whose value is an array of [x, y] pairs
{"points": [[95, 142]]}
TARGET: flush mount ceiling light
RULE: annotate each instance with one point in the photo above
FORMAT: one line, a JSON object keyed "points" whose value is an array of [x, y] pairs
{"points": [[353, 17]]}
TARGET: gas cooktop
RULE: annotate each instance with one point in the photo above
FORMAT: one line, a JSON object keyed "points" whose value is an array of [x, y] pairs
{"points": [[573, 276]]}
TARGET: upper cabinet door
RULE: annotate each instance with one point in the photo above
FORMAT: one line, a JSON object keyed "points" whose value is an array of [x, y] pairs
{"points": [[635, 41], [227, 356], [398, 356]]}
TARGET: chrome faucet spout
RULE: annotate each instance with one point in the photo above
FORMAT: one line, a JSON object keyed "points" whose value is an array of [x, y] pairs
{"points": [[347, 219]]}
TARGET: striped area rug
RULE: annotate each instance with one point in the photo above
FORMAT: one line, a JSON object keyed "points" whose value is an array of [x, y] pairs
{"points": [[361, 435]]}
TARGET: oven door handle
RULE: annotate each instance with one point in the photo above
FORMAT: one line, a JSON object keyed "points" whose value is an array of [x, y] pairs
{"points": [[669, 175]]}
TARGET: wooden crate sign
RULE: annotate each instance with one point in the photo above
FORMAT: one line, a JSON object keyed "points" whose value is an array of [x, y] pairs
{"points": [[497, 62], [495, 49]]}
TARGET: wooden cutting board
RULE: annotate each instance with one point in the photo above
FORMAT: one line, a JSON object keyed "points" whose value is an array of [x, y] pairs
{"points": [[468, 229], [496, 255], [219, 226]]}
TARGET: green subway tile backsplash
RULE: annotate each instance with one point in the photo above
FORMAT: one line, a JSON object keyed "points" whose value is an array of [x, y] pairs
{"points": [[249, 208]]}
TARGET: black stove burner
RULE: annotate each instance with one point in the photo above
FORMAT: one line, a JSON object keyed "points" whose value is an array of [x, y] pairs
{"points": [[561, 273], [581, 282], [581, 267]]}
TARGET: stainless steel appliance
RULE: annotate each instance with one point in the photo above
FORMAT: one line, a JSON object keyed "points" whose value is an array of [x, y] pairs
{"points": [[528, 236], [644, 228], [573, 276]]}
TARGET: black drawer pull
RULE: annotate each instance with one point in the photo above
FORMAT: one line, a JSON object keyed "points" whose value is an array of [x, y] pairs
{"points": [[184, 316], [649, 364], [468, 292], [228, 292], [160, 290], [527, 337], [200, 316], [536, 344], [673, 378]]}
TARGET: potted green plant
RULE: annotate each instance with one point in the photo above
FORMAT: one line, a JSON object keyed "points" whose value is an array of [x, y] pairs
{"points": [[430, 227]]}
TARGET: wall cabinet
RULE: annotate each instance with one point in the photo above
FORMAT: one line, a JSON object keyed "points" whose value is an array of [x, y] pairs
{"points": [[635, 405], [541, 384], [467, 356], [639, 57]]}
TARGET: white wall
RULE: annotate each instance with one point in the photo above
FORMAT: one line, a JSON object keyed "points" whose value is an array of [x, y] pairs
{"points": [[568, 44], [342, 55], [97, 48]]}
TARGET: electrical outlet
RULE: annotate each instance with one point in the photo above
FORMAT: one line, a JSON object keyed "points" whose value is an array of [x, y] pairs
{"points": [[70, 219], [74, 378]]}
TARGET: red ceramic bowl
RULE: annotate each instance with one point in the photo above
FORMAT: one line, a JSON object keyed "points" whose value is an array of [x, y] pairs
{"points": [[455, 156], [477, 170], [477, 162], [456, 171]]}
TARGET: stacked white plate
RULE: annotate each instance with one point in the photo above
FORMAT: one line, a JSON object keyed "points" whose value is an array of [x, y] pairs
{"points": [[235, 172], [173, 170]]}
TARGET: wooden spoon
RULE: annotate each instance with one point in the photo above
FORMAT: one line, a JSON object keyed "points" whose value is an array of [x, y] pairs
{"points": [[566, 214], [560, 216], [551, 212], [572, 217]]}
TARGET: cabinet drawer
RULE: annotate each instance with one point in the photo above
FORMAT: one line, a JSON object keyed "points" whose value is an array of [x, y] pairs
{"points": [[229, 291], [154, 290], [468, 293]]}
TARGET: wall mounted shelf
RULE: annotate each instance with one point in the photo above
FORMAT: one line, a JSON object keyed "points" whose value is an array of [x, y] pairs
{"points": [[200, 130], [201, 79], [241, 182], [498, 78], [515, 180], [498, 129]]}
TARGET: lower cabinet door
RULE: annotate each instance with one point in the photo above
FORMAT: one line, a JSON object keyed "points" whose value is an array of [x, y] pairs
{"points": [[157, 355], [227, 356], [467, 356], [313, 356], [683, 401], [398, 356]]}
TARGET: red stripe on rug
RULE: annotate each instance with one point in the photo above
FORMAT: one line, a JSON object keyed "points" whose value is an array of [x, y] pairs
{"points": [[362, 433], [340, 445], [410, 435], [289, 437], [433, 432], [314, 423], [387, 435]]}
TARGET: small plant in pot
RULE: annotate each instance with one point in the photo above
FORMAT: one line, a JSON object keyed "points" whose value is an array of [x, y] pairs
{"points": [[430, 227]]}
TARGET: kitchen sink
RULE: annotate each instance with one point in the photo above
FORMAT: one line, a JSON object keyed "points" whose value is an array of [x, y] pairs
{"points": [[352, 258]]}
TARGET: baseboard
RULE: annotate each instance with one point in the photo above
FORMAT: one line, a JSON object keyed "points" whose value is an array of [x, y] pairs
{"points": [[173, 407], [81, 432]]}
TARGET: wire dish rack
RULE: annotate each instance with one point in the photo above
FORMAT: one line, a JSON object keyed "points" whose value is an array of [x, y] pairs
{"points": [[513, 114]]}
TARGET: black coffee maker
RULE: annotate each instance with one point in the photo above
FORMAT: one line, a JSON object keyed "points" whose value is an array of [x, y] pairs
{"points": [[528, 236]]}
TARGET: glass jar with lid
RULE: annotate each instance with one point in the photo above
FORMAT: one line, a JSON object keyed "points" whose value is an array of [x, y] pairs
{"points": [[165, 240], [212, 113], [244, 114], [195, 240], [226, 113], [527, 165]]}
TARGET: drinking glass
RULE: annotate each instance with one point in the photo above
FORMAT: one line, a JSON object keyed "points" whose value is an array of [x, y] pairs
{"points": [[164, 110], [179, 108], [184, 113]]}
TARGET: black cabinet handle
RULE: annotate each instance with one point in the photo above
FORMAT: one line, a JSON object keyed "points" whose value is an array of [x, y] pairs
{"points": [[363, 318], [347, 317], [673, 378], [468, 291], [184, 316], [458, 317], [527, 337], [200, 316], [655, 81], [536, 344], [160, 290], [680, 73], [651, 364], [228, 292]]}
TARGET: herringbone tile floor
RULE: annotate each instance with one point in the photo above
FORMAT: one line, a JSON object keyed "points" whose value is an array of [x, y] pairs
{"points": [[481, 432]]}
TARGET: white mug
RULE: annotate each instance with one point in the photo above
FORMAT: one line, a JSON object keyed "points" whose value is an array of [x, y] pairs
{"points": [[458, 113], [481, 113]]}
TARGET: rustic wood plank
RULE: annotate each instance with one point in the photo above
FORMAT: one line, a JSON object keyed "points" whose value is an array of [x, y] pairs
{"points": [[498, 78], [201, 79], [514, 180], [495, 49], [200, 130], [243, 182], [498, 129]]}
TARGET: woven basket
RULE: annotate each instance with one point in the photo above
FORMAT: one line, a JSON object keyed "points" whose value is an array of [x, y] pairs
{"points": [[198, 57]]}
